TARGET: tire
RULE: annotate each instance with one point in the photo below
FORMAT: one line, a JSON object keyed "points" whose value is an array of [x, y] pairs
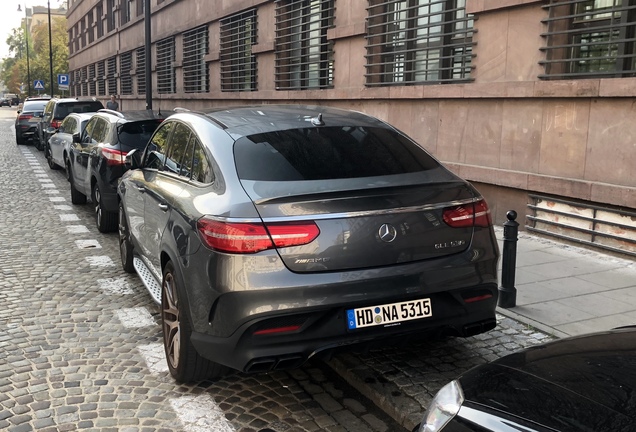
{"points": [[67, 171], [76, 196], [18, 141], [184, 362], [106, 221], [38, 143], [49, 159], [125, 245]]}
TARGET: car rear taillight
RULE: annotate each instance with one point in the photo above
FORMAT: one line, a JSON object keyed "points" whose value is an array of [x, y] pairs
{"points": [[113, 157], [237, 237], [55, 124], [25, 117], [468, 215]]}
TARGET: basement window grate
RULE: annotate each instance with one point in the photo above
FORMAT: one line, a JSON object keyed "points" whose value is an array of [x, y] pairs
{"points": [[101, 81], [125, 79], [140, 70], [91, 80], [111, 72]]}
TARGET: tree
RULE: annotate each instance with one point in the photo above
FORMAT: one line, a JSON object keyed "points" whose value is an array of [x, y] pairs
{"points": [[14, 69]]}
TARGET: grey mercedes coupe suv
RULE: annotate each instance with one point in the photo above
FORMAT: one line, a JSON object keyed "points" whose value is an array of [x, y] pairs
{"points": [[272, 234]]}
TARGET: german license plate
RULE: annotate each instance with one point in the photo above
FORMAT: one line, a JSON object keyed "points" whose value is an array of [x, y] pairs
{"points": [[388, 314]]}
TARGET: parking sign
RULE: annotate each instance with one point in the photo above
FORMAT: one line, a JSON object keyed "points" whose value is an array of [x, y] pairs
{"points": [[63, 81]]}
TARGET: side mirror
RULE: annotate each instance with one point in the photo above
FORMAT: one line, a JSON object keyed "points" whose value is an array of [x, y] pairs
{"points": [[19, 111], [76, 138], [133, 159], [50, 130]]}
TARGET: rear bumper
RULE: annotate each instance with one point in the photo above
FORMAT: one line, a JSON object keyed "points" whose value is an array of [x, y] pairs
{"points": [[325, 332]]}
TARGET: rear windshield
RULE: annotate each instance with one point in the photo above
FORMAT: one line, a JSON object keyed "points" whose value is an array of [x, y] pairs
{"points": [[35, 106], [64, 109], [137, 134], [328, 153]]}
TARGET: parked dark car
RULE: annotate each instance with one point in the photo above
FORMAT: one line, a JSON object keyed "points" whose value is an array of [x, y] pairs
{"points": [[58, 147], [56, 110], [272, 234], [5, 102], [12, 98], [580, 384], [96, 159], [27, 120]]}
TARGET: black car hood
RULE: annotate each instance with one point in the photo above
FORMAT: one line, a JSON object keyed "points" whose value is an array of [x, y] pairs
{"points": [[585, 383]]}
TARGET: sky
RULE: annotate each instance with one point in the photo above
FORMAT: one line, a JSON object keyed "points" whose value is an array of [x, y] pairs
{"points": [[12, 18]]}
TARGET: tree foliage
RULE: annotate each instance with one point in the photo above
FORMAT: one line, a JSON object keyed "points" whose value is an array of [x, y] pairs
{"points": [[14, 68]]}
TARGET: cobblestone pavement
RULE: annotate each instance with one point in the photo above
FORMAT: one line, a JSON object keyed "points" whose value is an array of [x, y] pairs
{"points": [[80, 343]]}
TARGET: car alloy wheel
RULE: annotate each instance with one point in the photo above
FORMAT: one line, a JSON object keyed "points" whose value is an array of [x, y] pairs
{"points": [[170, 317]]}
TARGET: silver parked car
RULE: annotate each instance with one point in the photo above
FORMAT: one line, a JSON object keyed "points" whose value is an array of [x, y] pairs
{"points": [[57, 148], [271, 234]]}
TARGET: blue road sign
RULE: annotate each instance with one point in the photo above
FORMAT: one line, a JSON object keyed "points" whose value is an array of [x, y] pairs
{"points": [[63, 79], [38, 85]]}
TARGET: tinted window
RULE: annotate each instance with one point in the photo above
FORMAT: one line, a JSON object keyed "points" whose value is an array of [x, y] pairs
{"points": [[186, 162], [137, 134], [34, 106], [178, 147], [328, 153], [69, 125], [156, 149], [201, 168], [64, 109]]}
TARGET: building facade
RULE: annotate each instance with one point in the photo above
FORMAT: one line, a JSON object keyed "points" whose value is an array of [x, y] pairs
{"points": [[531, 100]]}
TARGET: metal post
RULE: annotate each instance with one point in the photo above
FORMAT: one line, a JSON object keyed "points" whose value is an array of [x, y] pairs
{"points": [[148, 41], [507, 291], [26, 38], [50, 50]]}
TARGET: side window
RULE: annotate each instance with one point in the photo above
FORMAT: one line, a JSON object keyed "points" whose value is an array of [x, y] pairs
{"points": [[201, 167], [186, 163], [156, 149], [48, 109], [99, 132], [88, 132], [68, 125], [178, 147]]}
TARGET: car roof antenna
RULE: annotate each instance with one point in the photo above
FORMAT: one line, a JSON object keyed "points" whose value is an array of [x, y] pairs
{"points": [[317, 121]]}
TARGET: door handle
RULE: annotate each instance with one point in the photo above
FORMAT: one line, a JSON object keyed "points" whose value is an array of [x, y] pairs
{"points": [[163, 207]]}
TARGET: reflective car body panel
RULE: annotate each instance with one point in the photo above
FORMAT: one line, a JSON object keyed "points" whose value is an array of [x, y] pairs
{"points": [[61, 141], [347, 266], [583, 384]]}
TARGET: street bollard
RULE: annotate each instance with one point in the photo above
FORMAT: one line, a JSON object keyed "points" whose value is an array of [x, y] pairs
{"points": [[507, 291]]}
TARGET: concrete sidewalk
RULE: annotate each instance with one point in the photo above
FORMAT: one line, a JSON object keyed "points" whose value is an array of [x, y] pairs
{"points": [[568, 290]]}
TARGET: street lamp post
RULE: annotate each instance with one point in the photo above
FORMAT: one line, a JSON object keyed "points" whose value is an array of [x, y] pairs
{"points": [[26, 37], [50, 50]]}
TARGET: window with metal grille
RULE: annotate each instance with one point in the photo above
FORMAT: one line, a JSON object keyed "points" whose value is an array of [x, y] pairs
{"points": [[76, 89], [101, 78], [418, 42], [590, 39], [99, 13], [196, 78], [304, 56], [111, 72], [125, 79], [110, 15], [84, 80], [140, 70], [238, 64], [166, 77], [91, 30], [92, 84]]}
